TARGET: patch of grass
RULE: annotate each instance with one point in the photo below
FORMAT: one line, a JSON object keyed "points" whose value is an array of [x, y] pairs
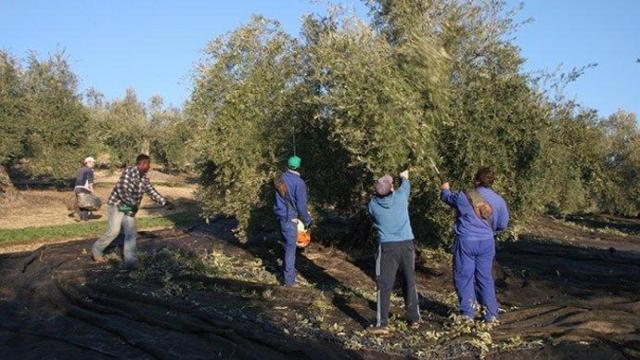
{"points": [[89, 229]]}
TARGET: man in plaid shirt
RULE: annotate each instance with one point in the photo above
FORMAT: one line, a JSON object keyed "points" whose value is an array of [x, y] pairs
{"points": [[123, 204]]}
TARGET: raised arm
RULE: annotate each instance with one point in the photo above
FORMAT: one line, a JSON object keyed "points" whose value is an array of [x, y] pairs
{"points": [[405, 185], [447, 196]]}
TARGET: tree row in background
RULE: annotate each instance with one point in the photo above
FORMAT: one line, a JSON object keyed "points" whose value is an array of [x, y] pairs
{"points": [[439, 79], [424, 79], [47, 127]]}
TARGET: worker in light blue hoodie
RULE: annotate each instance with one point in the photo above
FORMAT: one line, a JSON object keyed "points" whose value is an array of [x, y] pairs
{"points": [[389, 210], [480, 214], [290, 208]]}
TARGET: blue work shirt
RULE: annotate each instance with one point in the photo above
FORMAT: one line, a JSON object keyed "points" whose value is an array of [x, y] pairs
{"points": [[84, 178], [297, 194], [390, 214], [468, 225]]}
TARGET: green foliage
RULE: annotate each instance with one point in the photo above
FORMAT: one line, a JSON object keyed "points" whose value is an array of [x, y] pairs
{"points": [[48, 122], [437, 79], [94, 228], [621, 190], [46, 130], [171, 136], [374, 107], [11, 109], [574, 160], [246, 96], [121, 128]]}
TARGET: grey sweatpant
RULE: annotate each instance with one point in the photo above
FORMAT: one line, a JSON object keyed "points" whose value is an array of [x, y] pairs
{"points": [[390, 257]]}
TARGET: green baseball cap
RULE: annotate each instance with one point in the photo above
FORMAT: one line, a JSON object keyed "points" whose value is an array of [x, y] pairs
{"points": [[294, 162]]}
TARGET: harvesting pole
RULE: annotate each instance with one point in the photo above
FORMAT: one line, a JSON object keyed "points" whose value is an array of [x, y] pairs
{"points": [[293, 137], [435, 168]]}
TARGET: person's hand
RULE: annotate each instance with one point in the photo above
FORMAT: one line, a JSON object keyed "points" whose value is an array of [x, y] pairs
{"points": [[445, 186], [405, 174]]}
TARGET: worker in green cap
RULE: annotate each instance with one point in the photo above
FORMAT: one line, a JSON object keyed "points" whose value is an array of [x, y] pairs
{"points": [[290, 208]]}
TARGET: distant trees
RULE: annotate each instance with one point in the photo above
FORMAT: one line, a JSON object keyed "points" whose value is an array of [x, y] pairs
{"points": [[125, 127], [46, 129], [43, 121], [11, 113], [171, 136], [120, 128], [621, 188], [425, 79]]}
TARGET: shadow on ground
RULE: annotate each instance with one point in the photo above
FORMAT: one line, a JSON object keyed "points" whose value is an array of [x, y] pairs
{"points": [[201, 294]]}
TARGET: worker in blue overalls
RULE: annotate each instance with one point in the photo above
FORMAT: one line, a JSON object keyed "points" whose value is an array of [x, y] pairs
{"points": [[481, 213], [290, 208]]}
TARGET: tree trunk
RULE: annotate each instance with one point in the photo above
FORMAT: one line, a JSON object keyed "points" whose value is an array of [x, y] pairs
{"points": [[7, 191]]}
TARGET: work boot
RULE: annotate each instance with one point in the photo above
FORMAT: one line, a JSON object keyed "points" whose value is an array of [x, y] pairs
{"points": [[98, 259]]}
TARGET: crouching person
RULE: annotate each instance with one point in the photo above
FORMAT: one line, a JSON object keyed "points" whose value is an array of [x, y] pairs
{"points": [[84, 185], [123, 205], [480, 214], [389, 210], [290, 208]]}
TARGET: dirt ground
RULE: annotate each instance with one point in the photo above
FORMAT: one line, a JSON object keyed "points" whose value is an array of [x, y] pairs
{"points": [[47, 207], [201, 294]]}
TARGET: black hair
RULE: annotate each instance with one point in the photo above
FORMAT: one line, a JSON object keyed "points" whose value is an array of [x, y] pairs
{"points": [[142, 157], [484, 177]]}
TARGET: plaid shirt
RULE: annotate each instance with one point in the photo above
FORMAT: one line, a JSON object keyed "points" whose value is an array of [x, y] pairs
{"points": [[130, 188]]}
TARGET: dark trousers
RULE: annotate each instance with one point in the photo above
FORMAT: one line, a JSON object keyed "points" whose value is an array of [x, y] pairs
{"points": [[289, 233], [390, 257]]}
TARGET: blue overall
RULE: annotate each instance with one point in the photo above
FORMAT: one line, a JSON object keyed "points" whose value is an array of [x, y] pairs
{"points": [[286, 210], [474, 250]]}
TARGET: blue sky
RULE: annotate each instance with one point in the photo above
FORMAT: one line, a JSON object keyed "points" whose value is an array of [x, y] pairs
{"points": [[152, 45]]}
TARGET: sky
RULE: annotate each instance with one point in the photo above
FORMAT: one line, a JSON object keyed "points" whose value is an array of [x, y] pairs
{"points": [[153, 45]]}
